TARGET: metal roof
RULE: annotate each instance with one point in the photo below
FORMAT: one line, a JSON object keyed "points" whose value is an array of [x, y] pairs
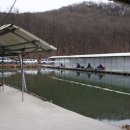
{"points": [[92, 55], [14, 40]]}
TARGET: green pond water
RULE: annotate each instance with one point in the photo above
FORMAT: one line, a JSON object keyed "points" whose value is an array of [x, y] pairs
{"points": [[99, 96]]}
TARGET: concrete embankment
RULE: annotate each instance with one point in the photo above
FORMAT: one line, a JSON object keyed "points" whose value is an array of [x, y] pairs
{"points": [[36, 114]]}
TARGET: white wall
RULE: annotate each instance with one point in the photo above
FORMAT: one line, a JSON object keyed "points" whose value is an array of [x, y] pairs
{"points": [[114, 63], [67, 62], [81, 61], [127, 64], [57, 62], [110, 63], [73, 62], [120, 63]]}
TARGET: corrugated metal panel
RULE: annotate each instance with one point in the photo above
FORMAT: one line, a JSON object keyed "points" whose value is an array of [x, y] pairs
{"points": [[81, 61], [108, 63], [88, 60], [102, 60], [96, 62], [127, 64], [120, 64], [73, 62], [14, 40], [114, 63], [67, 62], [57, 62]]}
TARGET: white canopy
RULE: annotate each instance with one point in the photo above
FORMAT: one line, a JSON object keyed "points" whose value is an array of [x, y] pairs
{"points": [[92, 55], [14, 40]]}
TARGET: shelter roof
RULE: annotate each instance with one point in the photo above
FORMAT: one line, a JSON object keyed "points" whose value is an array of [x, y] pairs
{"points": [[15, 40], [92, 55]]}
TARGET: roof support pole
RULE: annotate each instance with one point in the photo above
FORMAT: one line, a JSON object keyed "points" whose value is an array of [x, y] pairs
{"points": [[22, 76], [2, 71]]}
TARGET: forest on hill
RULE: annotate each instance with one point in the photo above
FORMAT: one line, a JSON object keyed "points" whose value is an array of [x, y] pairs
{"points": [[86, 28]]}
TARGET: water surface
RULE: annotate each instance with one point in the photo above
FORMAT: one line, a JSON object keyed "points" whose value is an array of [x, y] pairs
{"points": [[99, 96]]}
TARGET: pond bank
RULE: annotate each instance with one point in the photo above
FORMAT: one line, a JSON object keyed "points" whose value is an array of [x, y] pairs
{"points": [[36, 114]]}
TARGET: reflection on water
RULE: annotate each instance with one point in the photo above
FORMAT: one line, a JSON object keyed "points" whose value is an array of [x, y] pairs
{"points": [[7, 74], [29, 71], [79, 92], [99, 79]]}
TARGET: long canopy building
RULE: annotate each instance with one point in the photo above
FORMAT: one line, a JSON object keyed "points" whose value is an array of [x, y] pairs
{"points": [[116, 62]]}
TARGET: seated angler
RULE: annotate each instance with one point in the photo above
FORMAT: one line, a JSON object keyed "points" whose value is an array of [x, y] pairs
{"points": [[101, 67], [62, 65], [78, 65], [89, 66]]}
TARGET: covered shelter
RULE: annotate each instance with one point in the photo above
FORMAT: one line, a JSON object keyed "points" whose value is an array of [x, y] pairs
{"points": [[113, 62], [15, 41]]}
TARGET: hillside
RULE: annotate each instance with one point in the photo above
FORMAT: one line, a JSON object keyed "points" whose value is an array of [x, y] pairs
{"points": [[84, 28]]}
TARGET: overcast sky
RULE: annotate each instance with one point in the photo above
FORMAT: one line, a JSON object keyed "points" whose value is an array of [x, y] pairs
{"points": [[39, 5]]}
